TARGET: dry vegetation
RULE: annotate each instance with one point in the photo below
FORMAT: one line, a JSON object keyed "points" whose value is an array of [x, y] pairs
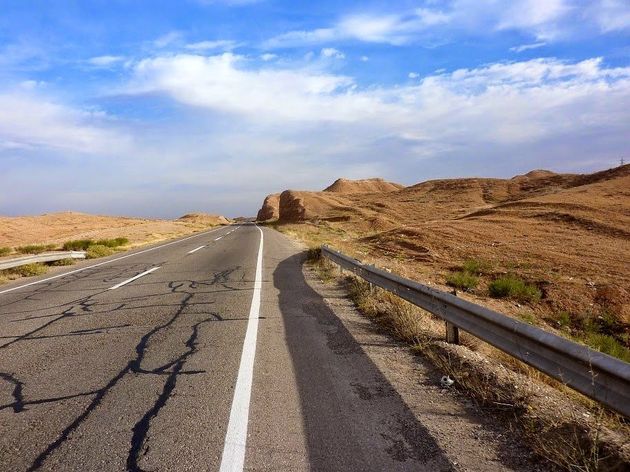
{"points": [[552, 250], [57, 228], [99, 236]]}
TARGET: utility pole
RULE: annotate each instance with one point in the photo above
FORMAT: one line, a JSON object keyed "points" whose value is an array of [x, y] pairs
{"points": [[621, 162]]}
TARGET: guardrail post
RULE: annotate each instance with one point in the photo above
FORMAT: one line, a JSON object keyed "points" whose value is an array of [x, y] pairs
{"points": [[452, 331]]}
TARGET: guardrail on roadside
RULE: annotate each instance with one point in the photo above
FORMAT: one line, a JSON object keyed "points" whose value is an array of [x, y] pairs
{"points": [[596, 375], [45, 257]]}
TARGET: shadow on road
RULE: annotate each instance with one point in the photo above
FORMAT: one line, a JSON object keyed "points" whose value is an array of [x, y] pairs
{"points": [[353, 418]]}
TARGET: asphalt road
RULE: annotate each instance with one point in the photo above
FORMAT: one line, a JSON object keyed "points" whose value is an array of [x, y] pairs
{"points": [[201, 354]]}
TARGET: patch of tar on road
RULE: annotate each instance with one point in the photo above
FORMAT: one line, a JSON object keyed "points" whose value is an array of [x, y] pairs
{"points": [[338, 339], [369, 393], [410, 441]]}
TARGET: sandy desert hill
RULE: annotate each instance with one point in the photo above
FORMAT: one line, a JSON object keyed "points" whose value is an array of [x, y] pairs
{"points": [[568, 234], [362, 186], [55, 228]]}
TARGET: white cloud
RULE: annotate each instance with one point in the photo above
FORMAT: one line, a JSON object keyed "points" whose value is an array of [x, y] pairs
{"points": [[223, 44], [332, 53], [610, 15], [105, 61], [413, 75], [268, 57], [538, 16], [543, 19], [364, 58], [291, 38], [33, 121], [527, 47], [509, 103], [168, 39], [225, 83], [32, 84]]}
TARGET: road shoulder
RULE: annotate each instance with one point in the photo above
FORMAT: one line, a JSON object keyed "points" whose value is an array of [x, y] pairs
{"points": [[332, 391]]}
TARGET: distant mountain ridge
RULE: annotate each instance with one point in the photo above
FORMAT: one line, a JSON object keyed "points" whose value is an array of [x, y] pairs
{"points": [[442, 198]]}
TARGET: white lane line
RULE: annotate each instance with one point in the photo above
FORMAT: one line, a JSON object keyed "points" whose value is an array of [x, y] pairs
{"points": [[195, 250], [216, 239], [233, 457], [135, 277], [107, 262]]}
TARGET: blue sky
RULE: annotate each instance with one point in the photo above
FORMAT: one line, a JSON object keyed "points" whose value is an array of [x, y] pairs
{"points": [[158, 108]]}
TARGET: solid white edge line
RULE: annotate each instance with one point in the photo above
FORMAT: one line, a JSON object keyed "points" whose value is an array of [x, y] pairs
{"points": [[135, 277], [109, 262], [195, 250], [233, 457]]}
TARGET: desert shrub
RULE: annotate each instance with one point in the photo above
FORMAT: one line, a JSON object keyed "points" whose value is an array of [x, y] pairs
{"points": [[511, 286], [476, 267], [84, 244], [4, 251], [562, 319], [77, 245], [462, 280], [63, 262], [28, 270], [608, 345], [97, 250], [116, 242], [314, 254], [35, 248]]}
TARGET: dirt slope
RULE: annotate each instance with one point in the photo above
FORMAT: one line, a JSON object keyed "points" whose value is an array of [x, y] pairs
{"points": [[374, 185], [55, 228], [204, 218], [568, 234], [301, 206]]}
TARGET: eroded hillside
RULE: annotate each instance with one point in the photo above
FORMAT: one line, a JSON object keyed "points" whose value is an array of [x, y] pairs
{"points": [[566, 235]]}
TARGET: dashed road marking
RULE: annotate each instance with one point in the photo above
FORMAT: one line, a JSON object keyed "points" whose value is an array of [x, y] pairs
{"points": [[106, 262], [135, 277]]}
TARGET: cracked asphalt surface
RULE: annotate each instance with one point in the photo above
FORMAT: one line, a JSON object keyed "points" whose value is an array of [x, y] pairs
{"points": [[142, 377]]}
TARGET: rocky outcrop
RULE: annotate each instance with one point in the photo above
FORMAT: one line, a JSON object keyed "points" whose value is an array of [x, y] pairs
{"points": [[302, 206], [270, 209]]}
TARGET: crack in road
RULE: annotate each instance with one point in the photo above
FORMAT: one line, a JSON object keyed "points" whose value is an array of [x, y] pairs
{"points": [[170, 370]]}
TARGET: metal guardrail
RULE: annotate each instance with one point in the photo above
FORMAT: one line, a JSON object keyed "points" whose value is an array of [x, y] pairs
{"points": [[45, 257], [598, 376]]}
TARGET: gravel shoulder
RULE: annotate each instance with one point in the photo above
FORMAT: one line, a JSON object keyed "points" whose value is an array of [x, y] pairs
{"points": [[471, 437]]}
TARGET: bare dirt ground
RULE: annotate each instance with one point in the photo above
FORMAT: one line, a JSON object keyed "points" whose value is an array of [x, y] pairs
{"points": [[56, 228], [569, 235]]}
